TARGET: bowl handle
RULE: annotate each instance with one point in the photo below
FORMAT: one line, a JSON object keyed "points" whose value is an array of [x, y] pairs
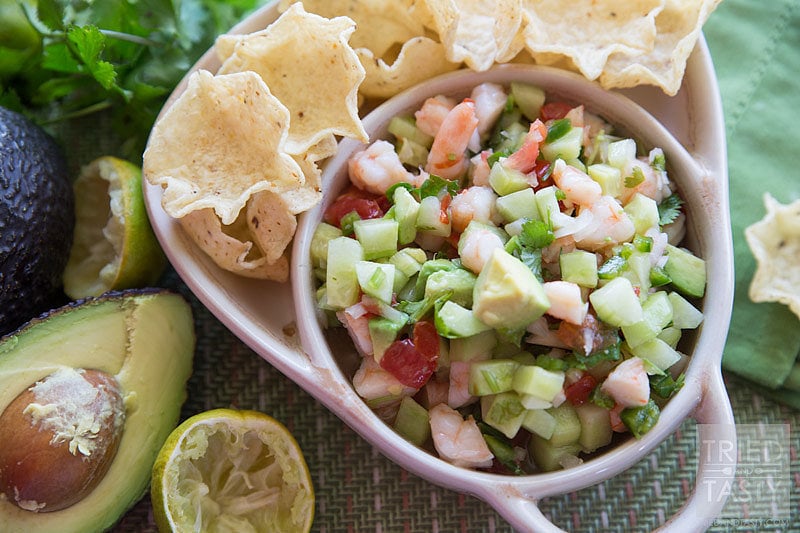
{"points": [[715, 473]]}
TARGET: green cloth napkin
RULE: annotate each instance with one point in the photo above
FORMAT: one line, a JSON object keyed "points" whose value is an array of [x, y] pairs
{"points": [[756, 51]]}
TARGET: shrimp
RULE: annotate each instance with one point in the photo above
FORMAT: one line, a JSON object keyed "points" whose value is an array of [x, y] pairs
{"points": [[565, 301], [458, 393], [655, 184], [578, 187], [432, 113], [490, 99], [628, 383], [457, 440], [447, 155], [479, 168], [524, 159], [372, 382], [356, 319], [476, 247], [378, 167], [612, 226], [474, 203]]}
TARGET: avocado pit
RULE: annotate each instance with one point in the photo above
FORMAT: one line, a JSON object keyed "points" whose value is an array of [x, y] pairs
{"points": [[59, 437]]}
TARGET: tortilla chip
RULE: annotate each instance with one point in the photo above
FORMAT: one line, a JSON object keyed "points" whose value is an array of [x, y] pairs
{"points": [[420, 58], [775, 243], [380, 24], [231, 249], [589, 31], [478, 32], [271, 224], [678, 27], [309, 66], [218, 144]]}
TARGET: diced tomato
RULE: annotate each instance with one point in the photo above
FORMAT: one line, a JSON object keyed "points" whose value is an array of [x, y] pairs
{"points": [[577, 393], [542, 171], [592, 332], [413, 360], [365, 204], [554, 110]]}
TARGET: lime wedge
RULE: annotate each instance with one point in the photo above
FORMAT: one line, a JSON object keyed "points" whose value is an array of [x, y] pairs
{"points": [[114, 246], [230, 470]]}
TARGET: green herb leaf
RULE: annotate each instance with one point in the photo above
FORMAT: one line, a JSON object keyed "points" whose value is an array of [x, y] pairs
{"points": [[536, 234], [659, 162], [635, 179], [669, 209], [600, 398], [437, 186], [665, 386]]}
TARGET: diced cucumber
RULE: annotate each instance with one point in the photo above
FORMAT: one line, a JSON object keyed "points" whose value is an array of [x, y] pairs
{"points": [[567, 147], [568, 425], [383, 333], [671, 335], [547, 202], [529, 98], [621, 153], [376, 279], [609, 178], [491, 377], [616, 303], [429, 217], [656, 352], [411, 153], [510, 137], [504, 412], [406, 210], [518, 205], [406, 128], [638, 272], [688, 272], [684, 314], [643, 212], [579, 266], [506, 180], [595, 427], [539, 422], [534, 402], [459, 281], [319, 243], [548, 457], [341, 280], [538, 382], [378, 236], [656, 315], [475, 348], [412, 421], [453, 321], [524, 358]]}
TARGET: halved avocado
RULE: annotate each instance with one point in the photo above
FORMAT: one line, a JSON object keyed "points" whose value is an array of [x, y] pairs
{"points": [[144, 338]]}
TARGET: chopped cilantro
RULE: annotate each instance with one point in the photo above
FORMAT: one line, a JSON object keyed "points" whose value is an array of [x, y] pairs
{"points": [[635, 179], [669, 209], [536, 234], [436, 186], [665, 386], [659, 162]]}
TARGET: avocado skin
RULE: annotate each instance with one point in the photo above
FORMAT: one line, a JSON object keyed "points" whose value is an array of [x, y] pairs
{"points": [[37, 218]]}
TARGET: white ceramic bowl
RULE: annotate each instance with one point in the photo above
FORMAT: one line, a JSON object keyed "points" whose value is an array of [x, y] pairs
{"points": [[703, 395]]}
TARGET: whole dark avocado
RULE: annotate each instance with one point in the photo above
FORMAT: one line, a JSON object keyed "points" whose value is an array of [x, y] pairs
{"points": [[37, 218]]}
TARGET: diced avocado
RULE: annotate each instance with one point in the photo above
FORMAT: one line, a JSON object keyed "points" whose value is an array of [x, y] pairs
{"points": [[341, 280], [621, 152], [405, 127], [566, 147], [616, 303], [529, 98], [568, 425], [428, 268], [538, 382], [549, 458], [376, 279], [518, 205], [507, 294], [383, 333], [688, 272], [411, 153], [475, 348], [656, 352], [459, 281], [378, 236], [684, 314], [579, 266], [491, 377], [595, 427], [429, 218], [643, 212], [656, 315], [507, 180], [539, 422], [319, 243], [412, 421], [406, 210], [503, 412], [609, 178], [454, 321]]}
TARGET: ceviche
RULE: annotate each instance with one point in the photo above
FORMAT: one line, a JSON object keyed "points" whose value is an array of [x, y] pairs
{"points": [[509, 270]]}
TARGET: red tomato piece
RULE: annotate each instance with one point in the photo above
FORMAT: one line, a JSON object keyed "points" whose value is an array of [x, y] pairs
{"points": [[578, 392], [406, 363], [365, 204], [554, 110], [426, 339]]}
